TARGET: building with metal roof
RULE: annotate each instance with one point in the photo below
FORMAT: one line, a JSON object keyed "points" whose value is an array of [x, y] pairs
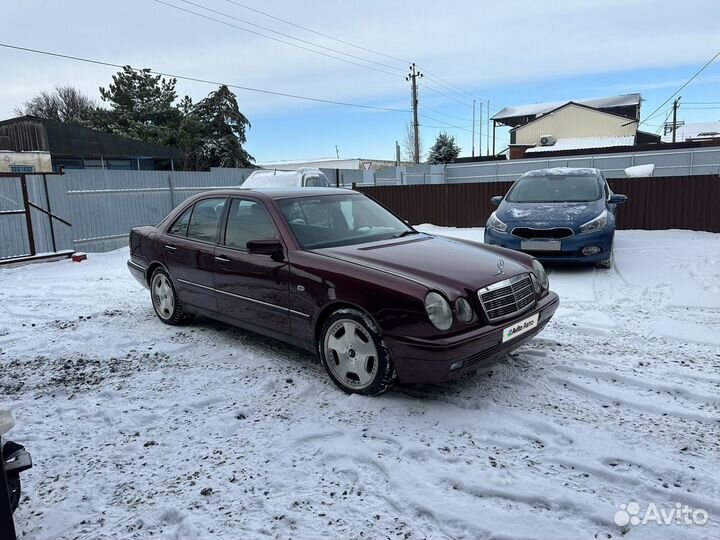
{"points": [[76, 147], [574, 125]]}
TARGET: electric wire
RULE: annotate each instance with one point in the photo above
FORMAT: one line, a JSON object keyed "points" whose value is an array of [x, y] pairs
{"points": [[204, 81], [698, 72]]}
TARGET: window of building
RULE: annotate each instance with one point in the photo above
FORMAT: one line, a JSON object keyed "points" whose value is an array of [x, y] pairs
{"points": [[22, 169]]}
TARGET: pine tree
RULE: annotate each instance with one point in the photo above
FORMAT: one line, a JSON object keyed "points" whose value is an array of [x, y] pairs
{"points": [[141, 107], [224, 132], [444, 150]]}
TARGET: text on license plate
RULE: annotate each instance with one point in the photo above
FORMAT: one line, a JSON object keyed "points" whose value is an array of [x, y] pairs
{"points": [[540, 245], [511, 332]]}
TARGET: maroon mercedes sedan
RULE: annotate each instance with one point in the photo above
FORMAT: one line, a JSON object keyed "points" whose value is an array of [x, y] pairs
{"points": [[333, 271]]}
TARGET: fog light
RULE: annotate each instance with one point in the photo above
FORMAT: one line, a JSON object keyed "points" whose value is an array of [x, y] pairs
{"points": [[590, 250], [457, 365]]}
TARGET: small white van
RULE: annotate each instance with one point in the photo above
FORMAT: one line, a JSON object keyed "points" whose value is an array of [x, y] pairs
{"points": [[304, 177]]}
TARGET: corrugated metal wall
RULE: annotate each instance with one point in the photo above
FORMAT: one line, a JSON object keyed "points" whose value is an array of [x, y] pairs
{"points": [[667, 163], [653, 203], [103, 205], [13, 233]]}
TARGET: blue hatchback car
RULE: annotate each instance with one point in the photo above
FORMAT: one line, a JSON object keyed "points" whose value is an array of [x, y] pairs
{"points": [[557, 215]]}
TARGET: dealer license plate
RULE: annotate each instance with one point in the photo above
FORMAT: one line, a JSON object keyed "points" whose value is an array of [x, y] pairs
{"points": [[540, 245], [519, 328]]}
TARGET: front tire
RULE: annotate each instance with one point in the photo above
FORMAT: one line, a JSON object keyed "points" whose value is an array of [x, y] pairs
{"points": [[353, 353], [165, 301]]}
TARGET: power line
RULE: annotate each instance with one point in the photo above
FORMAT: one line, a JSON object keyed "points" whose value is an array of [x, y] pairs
{"points": [[445, 127], [446, 114], [444, 123], [683, 86], [442, 82], [273, 38], [439, 79], [436, 78], [288, 35], [316, 32], [204, 81], [445, 95]]}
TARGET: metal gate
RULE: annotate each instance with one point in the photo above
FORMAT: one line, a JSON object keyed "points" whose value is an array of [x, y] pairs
{"points": [[27, 223]]}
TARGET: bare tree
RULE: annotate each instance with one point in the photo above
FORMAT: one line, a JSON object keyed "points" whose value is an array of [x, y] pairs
{"points": [[408, 143], [64, 103]]}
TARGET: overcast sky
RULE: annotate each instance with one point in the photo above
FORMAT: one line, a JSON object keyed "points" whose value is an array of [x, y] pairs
{"points": [[511, 52]]}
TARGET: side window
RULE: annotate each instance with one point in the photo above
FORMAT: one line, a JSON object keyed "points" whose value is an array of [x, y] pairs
{"points": [[248, 220], [204, 220], [315, 181], [179, 228]]}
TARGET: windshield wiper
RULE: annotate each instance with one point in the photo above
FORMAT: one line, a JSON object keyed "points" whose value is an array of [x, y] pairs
{"points": [[405, 233]]}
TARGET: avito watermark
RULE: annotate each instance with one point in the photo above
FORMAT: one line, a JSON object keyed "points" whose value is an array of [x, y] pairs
{"points": [[678, 514]]}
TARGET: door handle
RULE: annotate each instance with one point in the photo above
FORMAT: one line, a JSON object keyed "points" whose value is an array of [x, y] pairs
{"points": [[221, 259], [170, 248]]}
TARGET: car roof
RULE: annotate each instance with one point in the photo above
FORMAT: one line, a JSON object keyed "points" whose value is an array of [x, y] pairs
{"points": [[281, 192], [564, 171]]}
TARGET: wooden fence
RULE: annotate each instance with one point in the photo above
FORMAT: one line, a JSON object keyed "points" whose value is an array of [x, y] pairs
{"points": [[673, 202]]}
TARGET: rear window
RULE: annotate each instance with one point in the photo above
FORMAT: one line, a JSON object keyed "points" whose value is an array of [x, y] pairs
{"points": [[555, 188]]}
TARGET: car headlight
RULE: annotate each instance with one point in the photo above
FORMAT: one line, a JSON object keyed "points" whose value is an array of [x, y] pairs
{"points": [[495, 223], [595, 224], [464, 310], [438, 310], [541, 277]]}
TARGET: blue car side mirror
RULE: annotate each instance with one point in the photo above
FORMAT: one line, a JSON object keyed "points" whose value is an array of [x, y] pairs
{"points": [[496, 200], [617, 198]]}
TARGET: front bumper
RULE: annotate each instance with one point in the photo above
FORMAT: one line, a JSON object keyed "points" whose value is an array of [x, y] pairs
{"points": [[571, 248], [420, 360]]}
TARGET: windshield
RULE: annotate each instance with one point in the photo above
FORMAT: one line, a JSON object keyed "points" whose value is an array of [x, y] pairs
{"points": [[555, 188], [340, 220]]}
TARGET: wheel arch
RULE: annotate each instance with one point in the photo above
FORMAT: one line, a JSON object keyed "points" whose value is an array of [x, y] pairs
{"points": [[331, 308], [151, 270]]}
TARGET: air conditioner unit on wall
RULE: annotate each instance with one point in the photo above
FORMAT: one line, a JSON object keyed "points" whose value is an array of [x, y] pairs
{"points": [[547, 140]]}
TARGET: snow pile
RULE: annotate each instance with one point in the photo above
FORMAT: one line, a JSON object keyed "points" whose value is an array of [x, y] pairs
{"points": [[140, 430], [579, 143]]}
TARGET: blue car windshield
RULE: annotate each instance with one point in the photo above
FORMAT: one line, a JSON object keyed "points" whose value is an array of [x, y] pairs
{"points": [[555, 188]]}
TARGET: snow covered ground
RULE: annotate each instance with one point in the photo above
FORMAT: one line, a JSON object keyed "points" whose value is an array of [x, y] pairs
{"points": [[204, 431]]}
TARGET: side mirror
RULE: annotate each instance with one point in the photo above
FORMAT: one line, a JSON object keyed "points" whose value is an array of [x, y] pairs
{"points": [[497, 200], [616, 198], [264, 247]]}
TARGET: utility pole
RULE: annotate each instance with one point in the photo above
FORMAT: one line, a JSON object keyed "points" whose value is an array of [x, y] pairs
{"points": [[487, 144], [473, 130], [397, 154], [480, 131], [675, 108], [337, 152], [412, 77]]}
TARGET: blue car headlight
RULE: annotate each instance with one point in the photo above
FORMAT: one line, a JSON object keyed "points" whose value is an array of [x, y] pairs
{"points": [[495, 223], [595, 224]]}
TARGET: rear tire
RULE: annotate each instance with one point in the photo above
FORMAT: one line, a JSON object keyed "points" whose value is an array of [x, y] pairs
{"points": [[165, 301], [354, 355]]}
